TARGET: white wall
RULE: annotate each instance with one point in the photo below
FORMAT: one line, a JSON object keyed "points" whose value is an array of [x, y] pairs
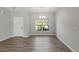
{"points": [[51, 19], [25, 15], [27, 25], [5, 24], [29, 22], [67, 26]]}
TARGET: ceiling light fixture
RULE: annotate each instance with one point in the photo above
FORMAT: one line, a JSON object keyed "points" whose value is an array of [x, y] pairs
{"points": [[42, 17]]}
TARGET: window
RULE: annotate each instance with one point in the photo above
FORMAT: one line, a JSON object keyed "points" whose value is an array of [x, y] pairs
{"points": [[41, 25]]}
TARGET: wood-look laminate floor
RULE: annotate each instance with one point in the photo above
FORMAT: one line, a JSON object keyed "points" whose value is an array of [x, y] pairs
{"points": [[33, 44]]}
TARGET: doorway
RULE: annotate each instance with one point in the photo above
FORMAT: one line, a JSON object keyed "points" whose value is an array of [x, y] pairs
{"points": [[18, 26]]}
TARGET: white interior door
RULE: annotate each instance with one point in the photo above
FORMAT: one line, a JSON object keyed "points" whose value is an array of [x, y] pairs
{"points": [[18, 26]]}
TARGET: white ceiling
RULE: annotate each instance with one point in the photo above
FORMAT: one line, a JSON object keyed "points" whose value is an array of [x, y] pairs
{"points": [[34, 9]]}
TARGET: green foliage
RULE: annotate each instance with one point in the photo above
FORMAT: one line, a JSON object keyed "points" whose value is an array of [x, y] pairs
{"points": [[40, 24]]}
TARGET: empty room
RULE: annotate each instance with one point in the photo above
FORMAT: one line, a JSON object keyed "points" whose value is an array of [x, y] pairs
{"points": [[39, 29]]}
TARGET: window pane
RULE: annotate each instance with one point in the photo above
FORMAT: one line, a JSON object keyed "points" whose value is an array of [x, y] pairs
{"points": [[42, 25]]}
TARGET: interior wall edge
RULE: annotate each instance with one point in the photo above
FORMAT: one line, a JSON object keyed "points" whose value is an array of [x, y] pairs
{"points": [[3, 39], [66, 44], [20, 36]]}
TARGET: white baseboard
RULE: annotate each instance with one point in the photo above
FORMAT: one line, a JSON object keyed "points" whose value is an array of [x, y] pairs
{"points": [[4, 39], [42, 34], [65, 44], [19, 36], [26, 36], [9, 37]]}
